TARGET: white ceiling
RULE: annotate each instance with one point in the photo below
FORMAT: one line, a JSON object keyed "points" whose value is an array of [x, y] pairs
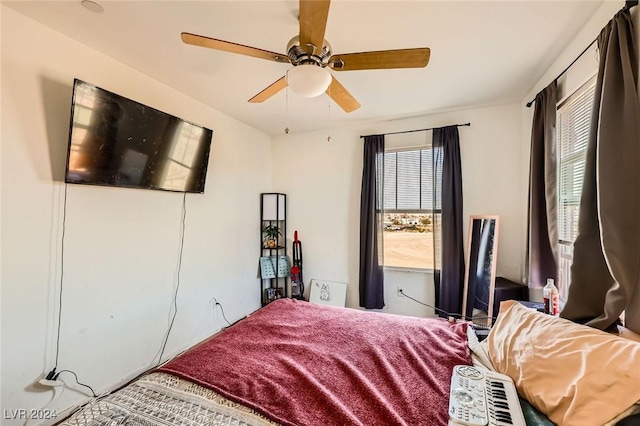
{"points": [[482, 52]]}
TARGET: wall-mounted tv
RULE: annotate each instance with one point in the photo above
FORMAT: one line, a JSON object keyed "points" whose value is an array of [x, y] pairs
{"points": [[114, 141]]}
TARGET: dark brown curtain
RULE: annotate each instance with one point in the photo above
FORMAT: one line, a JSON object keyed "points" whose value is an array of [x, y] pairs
{"points": [[542, 234], [605, 275], [449, 279], [371, 248]]}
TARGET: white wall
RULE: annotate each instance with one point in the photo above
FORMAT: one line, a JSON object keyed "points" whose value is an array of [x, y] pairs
{"points": [[121, 245], [322, 180]]}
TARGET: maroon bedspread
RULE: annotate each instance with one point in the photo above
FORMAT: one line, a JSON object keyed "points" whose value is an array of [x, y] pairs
{"points": [[305, 364]]}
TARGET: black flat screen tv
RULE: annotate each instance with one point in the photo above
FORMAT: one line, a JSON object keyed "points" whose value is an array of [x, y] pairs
{"points": [[114, 141]]}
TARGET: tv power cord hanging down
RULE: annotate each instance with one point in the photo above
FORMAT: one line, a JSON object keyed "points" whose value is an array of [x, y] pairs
{"points": [[51, 379]]}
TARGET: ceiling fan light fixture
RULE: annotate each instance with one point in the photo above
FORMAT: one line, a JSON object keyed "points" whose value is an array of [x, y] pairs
{"points": [[308, 80]]}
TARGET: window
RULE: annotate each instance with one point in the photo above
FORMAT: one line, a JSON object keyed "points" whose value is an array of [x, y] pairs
{"points": [[572, 136], [409, 208]]}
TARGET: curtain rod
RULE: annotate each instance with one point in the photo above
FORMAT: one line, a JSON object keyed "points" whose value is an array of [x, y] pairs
{"points": [[566, 69], [628, 5], [416, 130]]}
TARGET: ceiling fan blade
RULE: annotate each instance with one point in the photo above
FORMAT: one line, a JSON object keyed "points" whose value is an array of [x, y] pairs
{"points": [[227, 46], [341, 96], [269, 91], [383, 59], [313, 22]]}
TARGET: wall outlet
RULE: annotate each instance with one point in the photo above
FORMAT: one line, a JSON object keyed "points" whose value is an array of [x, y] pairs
{"points": [[399, 291]]}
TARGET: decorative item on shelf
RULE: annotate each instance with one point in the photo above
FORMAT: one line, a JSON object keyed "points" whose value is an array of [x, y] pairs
{"points": [[267, 268], [274, 266], [271, 235], [273, 294]]}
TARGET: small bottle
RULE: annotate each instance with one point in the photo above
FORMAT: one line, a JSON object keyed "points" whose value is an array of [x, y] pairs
{"points": [[555, 301], [551, 298]]}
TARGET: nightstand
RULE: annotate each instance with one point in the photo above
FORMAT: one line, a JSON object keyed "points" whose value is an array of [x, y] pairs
{"points": [[506, 289]]}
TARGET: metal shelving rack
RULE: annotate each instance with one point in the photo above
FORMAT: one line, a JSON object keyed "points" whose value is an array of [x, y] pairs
{"points": [[273, 211]]}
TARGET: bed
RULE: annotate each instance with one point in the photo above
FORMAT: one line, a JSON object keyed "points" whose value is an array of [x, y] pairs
{"points": [[297, 363]]}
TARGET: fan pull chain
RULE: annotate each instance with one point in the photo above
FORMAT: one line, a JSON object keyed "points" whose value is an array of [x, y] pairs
{"points": [[286, 111], [329, 97]]}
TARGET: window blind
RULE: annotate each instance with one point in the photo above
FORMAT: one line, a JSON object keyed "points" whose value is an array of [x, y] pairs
{"points": [[409, 180], [572, 135]]}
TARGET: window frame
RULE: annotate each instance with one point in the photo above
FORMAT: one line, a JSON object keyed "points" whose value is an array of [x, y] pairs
{"points": [[565, 247], [587, 85], [382, 210]]}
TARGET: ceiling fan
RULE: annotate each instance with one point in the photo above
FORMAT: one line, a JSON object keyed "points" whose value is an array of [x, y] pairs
{"points": [[311, 55]]}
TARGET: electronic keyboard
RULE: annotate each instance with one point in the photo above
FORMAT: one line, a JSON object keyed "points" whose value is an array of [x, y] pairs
{"points": [[480, 398]]}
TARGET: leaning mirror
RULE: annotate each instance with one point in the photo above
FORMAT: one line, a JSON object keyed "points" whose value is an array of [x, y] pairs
{"points": [[480, 271]]}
